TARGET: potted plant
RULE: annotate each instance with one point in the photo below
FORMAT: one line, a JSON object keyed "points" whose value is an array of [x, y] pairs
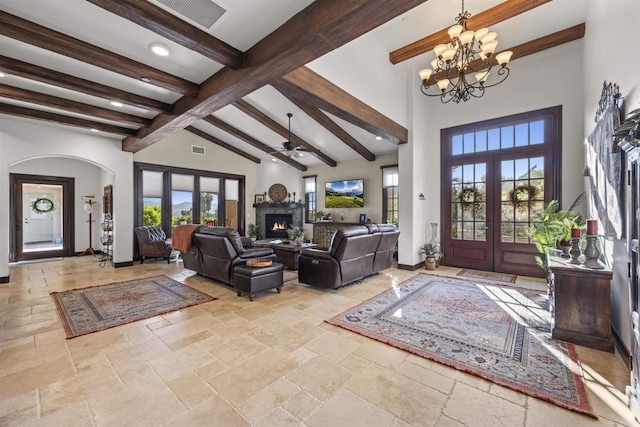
{"points": [[254, 230], [296, 234], [318, 215], [430, 251], [553, 226]]}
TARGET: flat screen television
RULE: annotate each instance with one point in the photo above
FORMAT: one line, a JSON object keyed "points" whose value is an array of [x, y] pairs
{"points": [[344, 194]]}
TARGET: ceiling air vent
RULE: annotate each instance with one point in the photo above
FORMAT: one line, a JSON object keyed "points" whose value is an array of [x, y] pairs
{"points": [[195, 149], [202, 12]]}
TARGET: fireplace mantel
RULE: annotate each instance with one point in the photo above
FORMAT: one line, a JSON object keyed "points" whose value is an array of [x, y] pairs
{"points": [[295, 209]]}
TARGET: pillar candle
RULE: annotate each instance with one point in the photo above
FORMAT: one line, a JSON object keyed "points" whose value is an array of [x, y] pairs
{"points": [[575, 232], [592, 227]]}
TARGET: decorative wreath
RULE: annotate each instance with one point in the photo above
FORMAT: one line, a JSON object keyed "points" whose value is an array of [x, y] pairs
{"points": [[471, 198], [42, 205], [522, 196]]}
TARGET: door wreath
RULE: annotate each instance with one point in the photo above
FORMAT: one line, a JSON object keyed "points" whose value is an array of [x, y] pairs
{"points": [[471, 198], [42, 205], [522, 196]]}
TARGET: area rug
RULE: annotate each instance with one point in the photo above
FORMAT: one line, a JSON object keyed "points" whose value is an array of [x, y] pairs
{"points": [[289, 275], [96, 308], [488, 275], [492, 331]]}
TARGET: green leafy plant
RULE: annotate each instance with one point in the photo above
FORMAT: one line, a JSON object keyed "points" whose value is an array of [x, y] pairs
{"points": [[554, 225], [254, 230], [429, 250], [318, 214], [295, 233]]}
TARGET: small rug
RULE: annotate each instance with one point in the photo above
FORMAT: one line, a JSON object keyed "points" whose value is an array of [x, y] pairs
{"points": [[96, 308], [488, 275], [495, 332]]}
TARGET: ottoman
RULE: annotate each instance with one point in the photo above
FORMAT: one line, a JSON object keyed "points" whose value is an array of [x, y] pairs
{"points": [[257, 279]]}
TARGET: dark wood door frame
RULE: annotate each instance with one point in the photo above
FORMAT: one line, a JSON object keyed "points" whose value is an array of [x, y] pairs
{"points": [[15, 215]]}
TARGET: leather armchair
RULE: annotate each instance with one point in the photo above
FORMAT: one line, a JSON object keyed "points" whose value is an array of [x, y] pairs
{"points": [[355, 252], [216, 251], [152, 243]]}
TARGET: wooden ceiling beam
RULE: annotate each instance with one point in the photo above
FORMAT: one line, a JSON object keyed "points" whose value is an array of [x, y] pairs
{"points": [[222, 144], [309, 86], [327, 123], [14, 110], [534, 46], [173, 28], [66, 81], [252, 141], [496, 14], [318, 29], [68, 105], [54, 41], [267, 121]]}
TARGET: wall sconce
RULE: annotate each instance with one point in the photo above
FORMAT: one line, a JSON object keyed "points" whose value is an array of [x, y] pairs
{"points": [[421, 196]]}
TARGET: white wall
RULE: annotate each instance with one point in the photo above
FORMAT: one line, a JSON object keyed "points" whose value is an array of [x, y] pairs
{"points": [[22, 140], [613, 29], [87, 180], [354, 169]]}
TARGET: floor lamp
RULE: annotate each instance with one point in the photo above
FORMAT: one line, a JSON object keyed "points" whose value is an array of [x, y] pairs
{"points": [[88, 208]]}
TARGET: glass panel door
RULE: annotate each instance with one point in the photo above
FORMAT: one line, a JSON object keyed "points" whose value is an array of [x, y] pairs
{"points": [[42, 217]]}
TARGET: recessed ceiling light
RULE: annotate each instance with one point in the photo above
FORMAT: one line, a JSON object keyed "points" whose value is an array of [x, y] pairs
{"points": [[117, 104], [94, 130], [2, 74], [145, 79], [159, 49], [273, 160], [378, 138]]}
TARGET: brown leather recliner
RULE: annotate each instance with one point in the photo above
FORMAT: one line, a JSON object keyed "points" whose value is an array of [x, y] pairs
{"points": [[355, 252], [216, 251], [152, 243]]}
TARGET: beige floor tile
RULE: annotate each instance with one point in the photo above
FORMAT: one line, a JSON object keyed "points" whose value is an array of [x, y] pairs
{"points": [[186, 328], [404, 398], [384, 355], [231, 329], [541, 413], [238, 350], [257, 406], [92, 345], [191, 389], [210, 370], [320, 377], [35, 377], [213, 412], [354, 363], [280, 337], [473, 381], [301, 356], [254, 374], [179, 362], [333, 347], [279, 418], [347, 409], [468, 406], [302, 405], [256, 311], [18, 410], [76, 415], [427, 377]]}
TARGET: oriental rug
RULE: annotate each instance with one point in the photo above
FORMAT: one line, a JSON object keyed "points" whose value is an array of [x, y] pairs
{"points": [[96, 308], [489, 330], [488, 275]]}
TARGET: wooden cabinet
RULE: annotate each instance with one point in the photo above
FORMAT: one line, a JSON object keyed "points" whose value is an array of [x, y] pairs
{"points": [[323, 232], [580, 304]]}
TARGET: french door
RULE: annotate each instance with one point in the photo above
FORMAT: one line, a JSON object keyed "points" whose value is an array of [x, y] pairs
{"points": [[42, 217], [498, 176]]}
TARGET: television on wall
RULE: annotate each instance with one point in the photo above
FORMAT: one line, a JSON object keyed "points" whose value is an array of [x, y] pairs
{"points": [[344, 194]]}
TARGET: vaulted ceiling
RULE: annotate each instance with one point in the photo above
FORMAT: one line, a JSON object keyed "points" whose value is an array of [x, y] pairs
{"points": [[235, 68]]}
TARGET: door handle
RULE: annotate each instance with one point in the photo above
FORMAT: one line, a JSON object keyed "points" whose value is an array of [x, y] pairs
{"points": [[18, 226], [487, 225]]}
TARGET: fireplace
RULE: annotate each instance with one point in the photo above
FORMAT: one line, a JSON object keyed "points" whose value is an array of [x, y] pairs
{"points": [[276, 225]]}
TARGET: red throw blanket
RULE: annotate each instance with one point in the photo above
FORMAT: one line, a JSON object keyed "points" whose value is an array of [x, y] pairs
{"points": [[181, 239]]}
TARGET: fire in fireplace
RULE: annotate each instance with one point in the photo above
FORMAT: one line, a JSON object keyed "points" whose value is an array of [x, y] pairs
{"points": [[276, 225]]}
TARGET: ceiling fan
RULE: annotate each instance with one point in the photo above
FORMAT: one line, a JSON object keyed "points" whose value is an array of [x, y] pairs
{"points": [[288, 148]]}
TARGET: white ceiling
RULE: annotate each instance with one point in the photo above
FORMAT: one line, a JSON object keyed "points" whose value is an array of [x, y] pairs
{"points": [[357, 67]]}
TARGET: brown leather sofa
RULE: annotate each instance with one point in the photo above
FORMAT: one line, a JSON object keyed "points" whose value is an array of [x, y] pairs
{"points": [[216, 251], [355, 252], [152, 243]]}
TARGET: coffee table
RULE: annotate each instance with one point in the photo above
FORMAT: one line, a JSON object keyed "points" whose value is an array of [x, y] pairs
{"points": [[287, 253]]}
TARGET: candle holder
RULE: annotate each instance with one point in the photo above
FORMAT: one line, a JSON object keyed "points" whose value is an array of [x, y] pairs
{"points": [[592, 253], [575, 250]]}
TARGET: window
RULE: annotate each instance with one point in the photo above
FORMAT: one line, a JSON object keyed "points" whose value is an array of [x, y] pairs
{"points": [[310, 197], [167, 196], [390, 194]]}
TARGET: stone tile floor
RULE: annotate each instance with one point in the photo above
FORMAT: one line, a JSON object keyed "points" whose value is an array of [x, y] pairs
{"points": [[231, 362]]}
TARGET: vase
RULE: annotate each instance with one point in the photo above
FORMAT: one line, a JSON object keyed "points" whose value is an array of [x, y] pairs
{"points": [[435, 242], [430, 263], [299, 240]]}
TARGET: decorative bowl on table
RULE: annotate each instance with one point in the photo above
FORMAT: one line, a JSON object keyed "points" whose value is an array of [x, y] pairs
{"points": [[259, 262]]}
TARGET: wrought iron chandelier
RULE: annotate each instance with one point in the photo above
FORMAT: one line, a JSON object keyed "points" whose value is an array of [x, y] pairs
{"points": [[461, 67]]}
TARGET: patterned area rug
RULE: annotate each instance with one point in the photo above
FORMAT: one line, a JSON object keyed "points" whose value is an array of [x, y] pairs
{"points": [[93, 309], [488, 275], [495, 332]]}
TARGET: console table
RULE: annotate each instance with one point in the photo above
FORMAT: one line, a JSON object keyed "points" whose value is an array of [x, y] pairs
{"points": [[580, 304]]}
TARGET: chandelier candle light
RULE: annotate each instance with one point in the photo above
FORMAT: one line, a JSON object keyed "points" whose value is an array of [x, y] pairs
{"points": [[469, 56]]}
